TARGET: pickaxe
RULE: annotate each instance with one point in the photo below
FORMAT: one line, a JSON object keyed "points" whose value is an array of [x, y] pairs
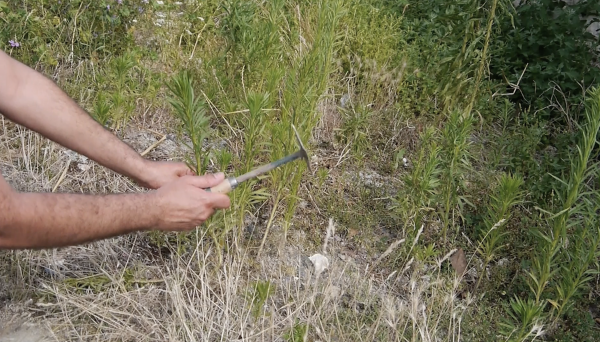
{"points": [[231, 183]]}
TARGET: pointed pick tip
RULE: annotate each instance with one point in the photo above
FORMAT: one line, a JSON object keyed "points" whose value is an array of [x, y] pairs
{"points": [[305, 153]]}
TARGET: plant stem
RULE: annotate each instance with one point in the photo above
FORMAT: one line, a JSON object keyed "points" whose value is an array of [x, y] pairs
{"points": [[475, 92], [270, 222]]}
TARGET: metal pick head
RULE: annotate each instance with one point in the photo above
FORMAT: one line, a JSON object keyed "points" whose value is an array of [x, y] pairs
{"points": [[304, 152]]}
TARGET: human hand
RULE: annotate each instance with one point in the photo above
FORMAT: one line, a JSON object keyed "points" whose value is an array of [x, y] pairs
{"points": [[183, 204], [159, 173]]}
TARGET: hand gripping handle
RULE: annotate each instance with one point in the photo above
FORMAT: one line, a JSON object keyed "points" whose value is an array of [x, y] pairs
{"points": [[224, 187]]}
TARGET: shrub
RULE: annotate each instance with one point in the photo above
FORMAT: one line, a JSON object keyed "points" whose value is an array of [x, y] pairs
{"points": [[548, 40]]}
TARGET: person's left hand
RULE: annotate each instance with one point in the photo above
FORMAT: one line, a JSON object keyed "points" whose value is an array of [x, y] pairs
{"points": [[159, 173]]}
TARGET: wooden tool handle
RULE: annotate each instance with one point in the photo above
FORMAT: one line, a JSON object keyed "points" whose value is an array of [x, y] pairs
{"points": [[224, 187]]}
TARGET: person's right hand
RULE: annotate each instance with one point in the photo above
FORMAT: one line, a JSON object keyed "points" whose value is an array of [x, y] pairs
{"points": [[184, 205]]}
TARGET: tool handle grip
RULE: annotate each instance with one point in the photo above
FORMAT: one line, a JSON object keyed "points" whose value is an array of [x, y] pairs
{"points": [[222, 188]]}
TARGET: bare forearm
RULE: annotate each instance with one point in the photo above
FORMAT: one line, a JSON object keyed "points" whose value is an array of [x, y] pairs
{"points": [[34, 101], [37, 220]]}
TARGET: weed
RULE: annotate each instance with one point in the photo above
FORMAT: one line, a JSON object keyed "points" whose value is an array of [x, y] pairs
{"points": [[456, 163], [191, 111], [507, 194], [423, 182], [354, 130], [529, 33], [529, 316], [298, 333], [261, 291], [101, 109], [555, 277]]}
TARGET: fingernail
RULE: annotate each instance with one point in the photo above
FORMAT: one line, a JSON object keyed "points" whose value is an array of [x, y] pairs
{"points": [[219, 174]]}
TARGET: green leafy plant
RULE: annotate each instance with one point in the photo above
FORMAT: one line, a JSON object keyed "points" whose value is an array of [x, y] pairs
{"points": [[84, 29], [455, 163], [460, 35], [101, 109], [191, 110], [545, 45], [224, 159], [422, 184], [507, 194], [354, 131], [560, 266], [526, 320], [297, 334], [261, 291]]}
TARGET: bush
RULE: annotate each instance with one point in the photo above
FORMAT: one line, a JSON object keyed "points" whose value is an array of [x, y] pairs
{"points": [[548, 40]]}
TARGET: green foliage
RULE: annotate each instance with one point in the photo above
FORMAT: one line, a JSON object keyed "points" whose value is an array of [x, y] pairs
{"points": [[257, 297], [579, 325], [101, 109], [507, 194], [119, 82], [422, 183], [264, 67], [526, 320], [547, 41], [224, 158], [278, 67], [96, 283], [569, 245], [191, 111], [456, 162], [297, 334], [354, 130], [457, 36], [373, 59]]}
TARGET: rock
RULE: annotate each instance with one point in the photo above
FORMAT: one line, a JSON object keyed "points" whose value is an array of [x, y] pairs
{"points": [[344, 100], [75, 157], [371, 178], [320, 263], [306, 268], [502, 262], [83, 167]]}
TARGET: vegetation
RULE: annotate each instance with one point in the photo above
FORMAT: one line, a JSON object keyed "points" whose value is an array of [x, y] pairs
{"points": [[454, 190]]}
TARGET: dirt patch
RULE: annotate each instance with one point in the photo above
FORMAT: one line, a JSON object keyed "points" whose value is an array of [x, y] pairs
{"points": [[331, 120], [17, 325], [25, 332]]}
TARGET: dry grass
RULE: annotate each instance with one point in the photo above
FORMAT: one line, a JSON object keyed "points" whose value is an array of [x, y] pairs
{"points": [[190, 298]]}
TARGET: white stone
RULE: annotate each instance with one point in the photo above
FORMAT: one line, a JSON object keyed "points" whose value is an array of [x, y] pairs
{"points": [[320, 262]]}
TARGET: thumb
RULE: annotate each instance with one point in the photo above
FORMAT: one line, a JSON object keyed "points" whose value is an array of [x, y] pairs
{"points": [[206, 181]]}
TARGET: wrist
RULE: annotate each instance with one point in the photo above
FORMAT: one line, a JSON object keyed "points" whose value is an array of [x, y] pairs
{"points": [[153, 208], [141, 172]]}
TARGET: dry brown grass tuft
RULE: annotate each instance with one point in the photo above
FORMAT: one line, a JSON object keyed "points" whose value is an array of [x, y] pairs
{"points": [[190, 298], [330, 121]]}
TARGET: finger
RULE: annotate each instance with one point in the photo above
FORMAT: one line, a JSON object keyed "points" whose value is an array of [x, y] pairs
{"points": [[207, 214], [183, 170], [205, 181], [219, 201]]}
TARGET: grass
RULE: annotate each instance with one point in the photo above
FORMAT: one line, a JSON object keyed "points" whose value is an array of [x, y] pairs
{"points": [[414, 160]]}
